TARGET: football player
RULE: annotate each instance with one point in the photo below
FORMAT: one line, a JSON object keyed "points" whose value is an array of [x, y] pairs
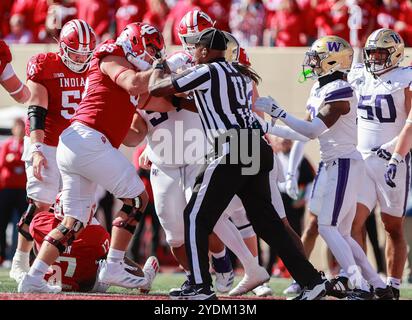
{"points": [[8, 79], [56, 82], [173, 178], [332, 110], [383, 89], [77, 268], [87, 155]]}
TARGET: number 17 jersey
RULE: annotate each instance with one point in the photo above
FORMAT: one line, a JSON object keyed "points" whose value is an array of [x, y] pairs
{"points": [[381, 106], [64, 91]]}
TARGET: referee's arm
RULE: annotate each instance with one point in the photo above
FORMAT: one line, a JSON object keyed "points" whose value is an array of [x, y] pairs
{"points": [[162, 84]]}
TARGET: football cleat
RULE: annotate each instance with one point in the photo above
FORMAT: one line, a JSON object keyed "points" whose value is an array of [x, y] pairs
{"points": [[30, 284], [251, 281], [175, 291], [122, 275], [396, 293], [263, 291], [385, 293], [224, 273], [99, 286], [359, 294], [150, 270], [294, 288], [18, 269], [340, 287], [315, 292], [194, 292]]}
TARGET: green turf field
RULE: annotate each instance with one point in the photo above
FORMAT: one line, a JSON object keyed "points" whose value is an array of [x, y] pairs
{"points": [[165, 281]]}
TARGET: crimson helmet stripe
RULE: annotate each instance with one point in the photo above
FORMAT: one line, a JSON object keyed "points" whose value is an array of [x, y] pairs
{"points": [[79, 30], [86, 31], [195, 15], [189, 20]]}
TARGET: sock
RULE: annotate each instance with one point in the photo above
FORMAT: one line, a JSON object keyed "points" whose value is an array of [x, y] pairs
{"points": [[342, 273], [38, 269], [231, 237], [343, 254], [394, 282], [220, 254], [21, 256], [115, 255], [361, 259]]}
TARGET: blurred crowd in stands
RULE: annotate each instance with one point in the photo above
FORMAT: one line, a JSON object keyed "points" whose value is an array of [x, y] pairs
{"points": [[278, 23]]}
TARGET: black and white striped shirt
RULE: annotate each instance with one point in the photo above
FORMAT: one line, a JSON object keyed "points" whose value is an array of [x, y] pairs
{"points": [[222, 94]]}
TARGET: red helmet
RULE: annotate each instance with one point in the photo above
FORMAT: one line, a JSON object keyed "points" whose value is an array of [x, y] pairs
{"points": [[141, 35], [192, 23], [77, 42]]}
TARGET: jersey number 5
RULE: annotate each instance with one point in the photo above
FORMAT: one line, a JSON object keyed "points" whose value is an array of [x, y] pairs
{"points": [[68, 105], [366, 104]]}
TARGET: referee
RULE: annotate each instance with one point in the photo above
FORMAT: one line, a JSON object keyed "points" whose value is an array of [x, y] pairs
{"points": [[222, 97]]}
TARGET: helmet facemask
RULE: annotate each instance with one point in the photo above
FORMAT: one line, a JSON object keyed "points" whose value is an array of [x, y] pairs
{"points": [[75, 66], [377, 60], [311, 65], [188, 47]]}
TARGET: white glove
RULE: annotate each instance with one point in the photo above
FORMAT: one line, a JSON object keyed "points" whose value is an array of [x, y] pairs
{"points": [[136, 61], [178, 60], [270, 106], [291, 186]]}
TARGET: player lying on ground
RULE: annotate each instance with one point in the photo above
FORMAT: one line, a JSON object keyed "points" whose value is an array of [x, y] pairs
{"points": [[77, 268]]}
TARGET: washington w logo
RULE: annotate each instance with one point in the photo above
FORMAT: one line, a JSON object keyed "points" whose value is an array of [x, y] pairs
{"points": [[334, 46]]}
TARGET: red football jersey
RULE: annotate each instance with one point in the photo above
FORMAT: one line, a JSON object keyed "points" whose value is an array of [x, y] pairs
{"points": [[105, 106], [64, 88], [77, 266]]}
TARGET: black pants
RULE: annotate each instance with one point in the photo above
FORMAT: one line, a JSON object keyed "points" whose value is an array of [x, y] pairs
{"points": [[214, 188], [295, 217], [11, 200]]}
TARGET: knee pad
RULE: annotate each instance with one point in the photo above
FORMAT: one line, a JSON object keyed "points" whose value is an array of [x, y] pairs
{"points": [[133, 214], [69, 235], [26, 219]]}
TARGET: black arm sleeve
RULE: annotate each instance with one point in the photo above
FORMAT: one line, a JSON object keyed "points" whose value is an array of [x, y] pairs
{"points": [[37, 117]]}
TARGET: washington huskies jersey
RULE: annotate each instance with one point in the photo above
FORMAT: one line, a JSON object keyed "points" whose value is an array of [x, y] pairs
{"points": [[381, 106], [340, 140], [174, 138]]}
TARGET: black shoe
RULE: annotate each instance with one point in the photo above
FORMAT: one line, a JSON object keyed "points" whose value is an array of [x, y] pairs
{"points": [[176, 291], [340, 287], [385, 293], [315, 292], [358, 294], [396, 293], [194, 292]]}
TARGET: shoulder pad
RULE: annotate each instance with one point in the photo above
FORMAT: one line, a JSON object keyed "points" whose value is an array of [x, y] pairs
{"points": [[108, 48], [40, 67]]}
